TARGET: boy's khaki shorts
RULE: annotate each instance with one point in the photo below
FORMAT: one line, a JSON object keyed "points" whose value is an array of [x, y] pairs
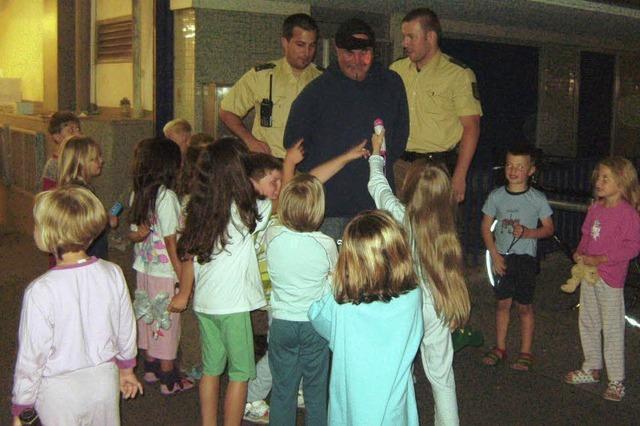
{"points": [[227, 339]]}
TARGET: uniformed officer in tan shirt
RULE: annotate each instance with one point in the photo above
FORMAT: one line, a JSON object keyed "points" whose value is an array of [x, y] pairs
{"points": [[444, 104], [271, 88]]}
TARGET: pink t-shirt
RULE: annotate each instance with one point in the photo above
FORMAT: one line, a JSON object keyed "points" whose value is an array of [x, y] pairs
{"points": [[614, 232]]}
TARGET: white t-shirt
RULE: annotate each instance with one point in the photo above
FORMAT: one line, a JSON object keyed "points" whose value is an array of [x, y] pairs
{"points": [[151, 256], [230, 282]]}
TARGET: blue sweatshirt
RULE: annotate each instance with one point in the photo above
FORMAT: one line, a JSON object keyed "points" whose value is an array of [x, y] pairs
{"points": [[333, 113]]}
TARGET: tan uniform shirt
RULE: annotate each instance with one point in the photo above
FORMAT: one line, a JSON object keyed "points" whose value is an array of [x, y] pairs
{"points": [[253, 87], [438, 95]]}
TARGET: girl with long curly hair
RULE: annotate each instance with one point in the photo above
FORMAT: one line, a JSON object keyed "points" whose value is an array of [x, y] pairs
{"points": [[217, 251]]}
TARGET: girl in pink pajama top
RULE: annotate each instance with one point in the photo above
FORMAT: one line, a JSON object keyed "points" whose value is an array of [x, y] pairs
{"points": [[77, 335]]}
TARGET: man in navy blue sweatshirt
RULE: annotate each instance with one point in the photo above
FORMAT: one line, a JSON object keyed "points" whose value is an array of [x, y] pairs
{"points": [[336, 111]]}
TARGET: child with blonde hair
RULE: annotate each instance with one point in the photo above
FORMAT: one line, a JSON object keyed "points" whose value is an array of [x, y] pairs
{"points": [[610, 239], [427, 212], [77, 329], [79, 163], [300, 260], [179, 131], [80, 160], [155, 217], [373, 323]]}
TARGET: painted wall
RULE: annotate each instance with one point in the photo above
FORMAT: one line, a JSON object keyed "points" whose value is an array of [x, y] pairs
{"points": [[114, 81], [21, 38], [106, 9]]}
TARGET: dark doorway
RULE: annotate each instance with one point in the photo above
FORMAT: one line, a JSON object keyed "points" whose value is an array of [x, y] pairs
{"points": [[164, 65], [596, 97], [508, 81]]}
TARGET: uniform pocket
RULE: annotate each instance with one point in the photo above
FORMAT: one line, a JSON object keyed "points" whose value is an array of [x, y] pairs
{"points": [[438, 103]]}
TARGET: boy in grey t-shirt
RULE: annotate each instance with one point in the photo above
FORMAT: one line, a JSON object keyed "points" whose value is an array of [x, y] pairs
{"points": [[517, 209]]}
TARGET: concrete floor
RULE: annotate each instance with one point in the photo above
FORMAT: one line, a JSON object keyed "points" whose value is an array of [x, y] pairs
{"points": [[485, 395]]}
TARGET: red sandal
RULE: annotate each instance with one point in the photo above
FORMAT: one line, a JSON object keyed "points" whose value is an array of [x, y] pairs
{"points": [[524, 362], [494, 357]]}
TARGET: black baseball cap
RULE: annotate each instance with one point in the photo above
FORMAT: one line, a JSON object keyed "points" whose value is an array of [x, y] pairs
{"points": [[345, 39]]}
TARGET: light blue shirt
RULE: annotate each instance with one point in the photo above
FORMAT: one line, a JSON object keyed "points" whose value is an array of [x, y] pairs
{"points": [[511, 208], [300, 266], [374, 345]]}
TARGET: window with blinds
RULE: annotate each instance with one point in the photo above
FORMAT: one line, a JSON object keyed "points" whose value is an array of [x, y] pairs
{"points": [[115, 39]]}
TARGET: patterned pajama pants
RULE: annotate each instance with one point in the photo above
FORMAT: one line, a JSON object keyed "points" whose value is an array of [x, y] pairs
{"points": [[602, 311]]}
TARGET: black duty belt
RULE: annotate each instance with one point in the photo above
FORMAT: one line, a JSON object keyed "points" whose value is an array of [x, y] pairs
{"points": [[443, 157]]}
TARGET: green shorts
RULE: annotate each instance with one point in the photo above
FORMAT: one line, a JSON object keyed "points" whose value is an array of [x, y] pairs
{"points": [[227, 339]]}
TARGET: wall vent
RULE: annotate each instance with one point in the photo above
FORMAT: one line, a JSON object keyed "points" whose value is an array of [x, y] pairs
{"points": [[115, 39]]}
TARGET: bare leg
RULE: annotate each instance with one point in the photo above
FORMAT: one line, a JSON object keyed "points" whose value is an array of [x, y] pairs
{"points": [[503, 311], [209, 393], [234, 403], [527, 325]]}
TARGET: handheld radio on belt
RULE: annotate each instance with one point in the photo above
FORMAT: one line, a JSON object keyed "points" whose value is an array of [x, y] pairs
{"points": [[266, 107]]}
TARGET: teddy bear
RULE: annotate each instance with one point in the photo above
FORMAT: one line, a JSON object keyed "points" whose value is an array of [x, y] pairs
{"points": [[580, 272]]}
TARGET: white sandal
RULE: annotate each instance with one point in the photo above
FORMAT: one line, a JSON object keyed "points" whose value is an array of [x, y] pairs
{"points": [[614, 391], [581, 377]]}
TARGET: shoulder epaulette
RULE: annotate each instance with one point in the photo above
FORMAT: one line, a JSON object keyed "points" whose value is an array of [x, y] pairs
{"points": [[262, 67], [458, 62], [319, 68]]}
